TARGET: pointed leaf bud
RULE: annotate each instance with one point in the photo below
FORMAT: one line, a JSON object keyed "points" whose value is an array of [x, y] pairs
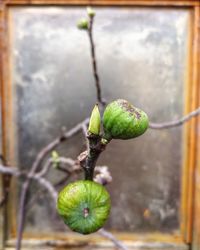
{"points": [[95, 121], [82, 24], [90, 12]]}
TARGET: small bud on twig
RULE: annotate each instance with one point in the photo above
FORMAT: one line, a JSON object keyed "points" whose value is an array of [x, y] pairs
{"points": [[90, 12], [83, 24], [95, 121], [55, 158]]}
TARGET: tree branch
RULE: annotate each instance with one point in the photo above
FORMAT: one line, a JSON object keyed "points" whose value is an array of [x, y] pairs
{"points": [[47, 184], [112, 238], [37, 177], [175, 123], [42, 154], [94, 62]]}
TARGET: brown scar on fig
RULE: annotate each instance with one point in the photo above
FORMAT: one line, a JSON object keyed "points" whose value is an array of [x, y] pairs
{"points": [[128, 107]]}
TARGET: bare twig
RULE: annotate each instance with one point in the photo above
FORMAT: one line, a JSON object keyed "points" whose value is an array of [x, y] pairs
{"points": [[33, 198], [46, 150], [112, 238], [175, 123], [46, 184], [37, 177], [46, 167], [62, 160], [67, 161], [94, 62], [9, 170]]}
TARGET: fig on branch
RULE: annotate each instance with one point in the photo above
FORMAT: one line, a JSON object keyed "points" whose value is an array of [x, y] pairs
{"points": [[121, 120], [84, 206]]}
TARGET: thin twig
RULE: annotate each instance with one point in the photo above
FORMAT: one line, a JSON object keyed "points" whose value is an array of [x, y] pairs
{"points": [[47, 184], [33, 198], [46, 167], [61, 160], [53, 193], [9, 170], [67, 161], [42, 154], [175, 123], [112, 238], [45, 170], [42, 181], [94, 62]]}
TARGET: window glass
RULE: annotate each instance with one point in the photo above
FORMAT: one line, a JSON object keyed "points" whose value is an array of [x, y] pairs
{"points": [[142, 57]]}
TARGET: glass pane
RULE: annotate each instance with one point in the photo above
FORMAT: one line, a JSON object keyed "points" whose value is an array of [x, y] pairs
{"points": [[141, 56]]}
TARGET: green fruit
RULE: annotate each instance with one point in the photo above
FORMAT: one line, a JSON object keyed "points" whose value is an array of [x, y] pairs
{"points": [[84, 206], [123, 121]]}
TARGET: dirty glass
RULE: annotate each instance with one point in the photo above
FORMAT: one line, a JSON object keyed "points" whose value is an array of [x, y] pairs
{"points": [[141, 54]]}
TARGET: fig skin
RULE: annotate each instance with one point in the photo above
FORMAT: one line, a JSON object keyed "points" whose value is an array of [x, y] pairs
{"points": [[121, 120], [84, 206]]}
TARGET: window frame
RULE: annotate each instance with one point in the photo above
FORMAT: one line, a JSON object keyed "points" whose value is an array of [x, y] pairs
{"points": [[190, 190]]}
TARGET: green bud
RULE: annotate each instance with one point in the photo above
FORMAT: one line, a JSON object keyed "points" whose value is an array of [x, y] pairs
{"points": [[82, 24], [55, 158], [95, 121], [91, 12]]}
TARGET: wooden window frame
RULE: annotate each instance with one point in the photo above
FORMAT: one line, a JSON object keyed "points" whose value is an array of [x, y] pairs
{"points": [[190, 197]]}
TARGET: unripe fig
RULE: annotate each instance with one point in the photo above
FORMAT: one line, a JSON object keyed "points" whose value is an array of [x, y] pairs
{"points": [[95, 121], [123, 121], [84, 206], [83, 24]]}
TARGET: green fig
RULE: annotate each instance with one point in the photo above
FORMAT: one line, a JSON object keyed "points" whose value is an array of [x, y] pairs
{"points": [[123, 121], [84, 206]]}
